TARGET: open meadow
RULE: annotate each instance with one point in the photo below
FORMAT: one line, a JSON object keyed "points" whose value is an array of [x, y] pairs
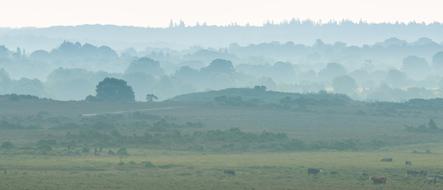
{"points": [[184, 145], [189, 170]]}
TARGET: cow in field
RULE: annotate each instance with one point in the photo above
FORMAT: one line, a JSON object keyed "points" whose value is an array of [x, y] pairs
{"points": [[313, 171], [408, 163], [386, 160], [229, 172], [378, 180]]}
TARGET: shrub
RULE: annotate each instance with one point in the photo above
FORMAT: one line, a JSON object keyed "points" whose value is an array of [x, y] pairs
{"points": [[148, 164], [7, 145]]}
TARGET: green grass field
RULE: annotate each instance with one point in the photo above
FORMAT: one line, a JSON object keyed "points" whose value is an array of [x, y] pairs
{"points": [[190, 170], [26, 167]]}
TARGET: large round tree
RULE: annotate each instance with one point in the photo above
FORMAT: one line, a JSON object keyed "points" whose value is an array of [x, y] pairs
{"points": [[114, 90]]}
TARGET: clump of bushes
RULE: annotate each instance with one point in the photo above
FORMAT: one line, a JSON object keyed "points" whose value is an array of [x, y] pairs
{"points": [[148, 164], [430, 127], [7, 145]]}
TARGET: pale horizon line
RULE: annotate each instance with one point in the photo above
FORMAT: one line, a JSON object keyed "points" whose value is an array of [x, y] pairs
{"points": [[180, 23]]}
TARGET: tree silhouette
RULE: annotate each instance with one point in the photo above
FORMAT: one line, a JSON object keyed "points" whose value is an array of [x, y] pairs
{"points": [[344, 84], [114, 90], [432, 125], [151, 97], [219, 66], [145, 65]]}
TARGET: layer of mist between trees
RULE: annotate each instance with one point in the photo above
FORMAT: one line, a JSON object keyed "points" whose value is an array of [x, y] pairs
{"points": [[393, 70]]}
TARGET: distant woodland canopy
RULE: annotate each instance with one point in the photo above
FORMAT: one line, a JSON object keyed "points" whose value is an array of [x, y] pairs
{"points": [[181, 36], [393, 69]]}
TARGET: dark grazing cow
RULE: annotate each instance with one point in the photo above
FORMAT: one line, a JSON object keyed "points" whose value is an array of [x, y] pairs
{"points": [[229, 172], [408, 163], [386, 160], [378, 180], [313, 171]]}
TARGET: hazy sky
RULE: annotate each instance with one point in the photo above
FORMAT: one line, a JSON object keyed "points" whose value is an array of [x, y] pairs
{"points": [[221, 12]]}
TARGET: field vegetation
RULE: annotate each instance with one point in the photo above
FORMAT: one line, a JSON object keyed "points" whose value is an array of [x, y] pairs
{"points": [[215, 140]]}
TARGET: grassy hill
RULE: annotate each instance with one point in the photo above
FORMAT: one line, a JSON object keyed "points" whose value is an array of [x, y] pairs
{"points": [[259, 95]]}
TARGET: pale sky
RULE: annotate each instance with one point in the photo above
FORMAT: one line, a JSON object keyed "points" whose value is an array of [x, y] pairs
{"points": [[40, 13]]}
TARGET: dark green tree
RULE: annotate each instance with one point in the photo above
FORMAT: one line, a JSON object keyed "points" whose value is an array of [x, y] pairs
{"points": [[113, 90], [122, 152]]}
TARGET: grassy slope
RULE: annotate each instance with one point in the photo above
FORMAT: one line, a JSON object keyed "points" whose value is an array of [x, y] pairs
{"points": [[191, 170], [316, 122], [178, 170]]}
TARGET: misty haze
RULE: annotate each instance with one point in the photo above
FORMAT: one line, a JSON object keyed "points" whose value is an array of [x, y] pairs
{"points": [[292, 104]]}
